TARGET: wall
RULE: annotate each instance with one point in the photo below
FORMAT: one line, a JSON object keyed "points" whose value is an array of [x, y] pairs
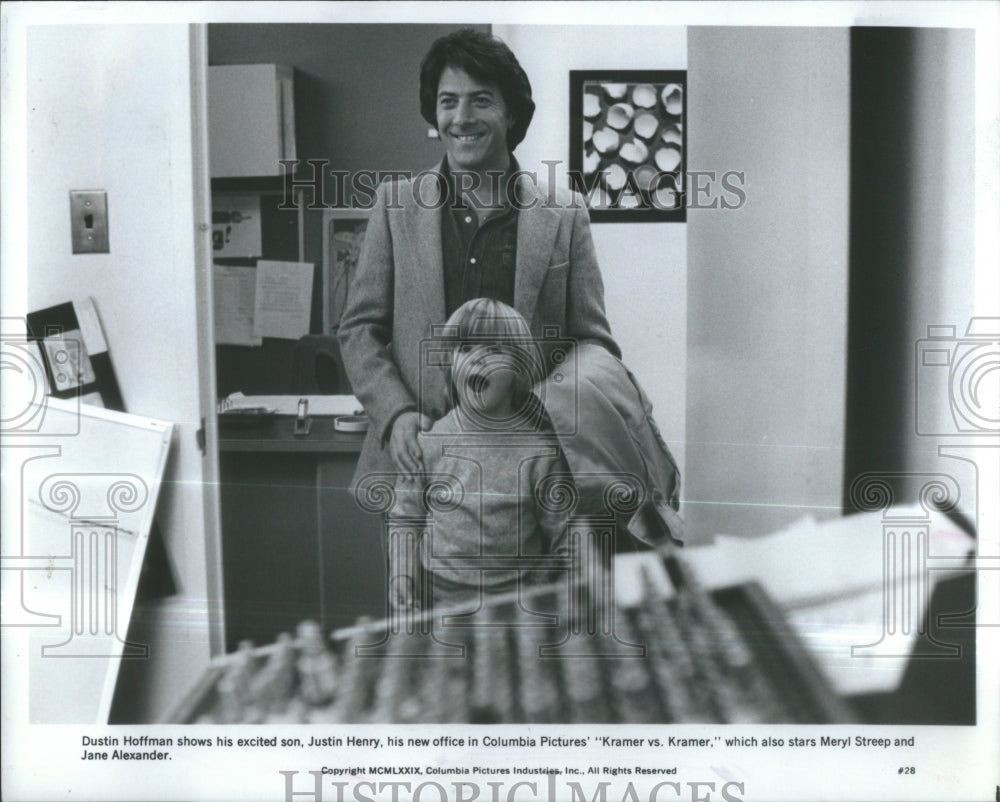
{"points": [[942, 236], [643, 264], [767, 283], [805, 305], [127, 128], [912, 242]]}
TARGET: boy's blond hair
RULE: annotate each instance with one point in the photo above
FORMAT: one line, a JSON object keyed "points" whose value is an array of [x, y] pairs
{"points": [[486, 321]]}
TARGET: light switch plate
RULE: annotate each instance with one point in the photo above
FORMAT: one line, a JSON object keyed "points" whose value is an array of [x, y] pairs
{"points": [[89, 221]]}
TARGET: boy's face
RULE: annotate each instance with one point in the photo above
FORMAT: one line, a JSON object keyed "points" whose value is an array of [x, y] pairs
{"points": [[472, 121], [484, 376]]}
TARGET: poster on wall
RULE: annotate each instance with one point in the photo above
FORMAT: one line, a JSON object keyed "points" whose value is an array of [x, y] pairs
{"points": [[343, 236], [627, 143]]}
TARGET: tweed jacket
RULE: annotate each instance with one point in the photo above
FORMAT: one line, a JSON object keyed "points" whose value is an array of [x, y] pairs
{"points": [[397, 296]]}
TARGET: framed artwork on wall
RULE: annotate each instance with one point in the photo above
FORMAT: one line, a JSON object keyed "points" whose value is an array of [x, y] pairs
{"points": [[627, 146], [343, 235]]}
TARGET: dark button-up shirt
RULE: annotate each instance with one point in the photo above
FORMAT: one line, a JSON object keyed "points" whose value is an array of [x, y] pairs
{"points": [[479, 260]]}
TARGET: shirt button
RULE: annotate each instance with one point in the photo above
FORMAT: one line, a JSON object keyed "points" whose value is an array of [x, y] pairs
{"points": [[472, 261], [468, 219]]}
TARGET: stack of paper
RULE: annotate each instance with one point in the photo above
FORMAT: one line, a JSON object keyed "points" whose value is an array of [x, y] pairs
{"points": [[289, 404]]}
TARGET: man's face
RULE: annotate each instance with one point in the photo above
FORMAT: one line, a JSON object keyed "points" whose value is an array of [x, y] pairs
{"points": [[473, 121]]}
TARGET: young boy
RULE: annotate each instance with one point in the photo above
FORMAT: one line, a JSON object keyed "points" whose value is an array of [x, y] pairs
{"points": [[494, 473]]}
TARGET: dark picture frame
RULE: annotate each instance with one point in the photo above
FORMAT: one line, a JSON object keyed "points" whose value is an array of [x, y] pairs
{"points": [[628, 143]]}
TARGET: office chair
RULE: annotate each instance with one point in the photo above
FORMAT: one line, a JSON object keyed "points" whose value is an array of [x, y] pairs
{"points": [[317, 368]]}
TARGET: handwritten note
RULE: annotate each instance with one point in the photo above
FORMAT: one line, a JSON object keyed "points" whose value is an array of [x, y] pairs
{"points": [[283, 299], [234, 289]]}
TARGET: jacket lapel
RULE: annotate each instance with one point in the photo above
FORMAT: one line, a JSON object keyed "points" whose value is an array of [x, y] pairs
{"points": [[536, 232], [423, 228]]}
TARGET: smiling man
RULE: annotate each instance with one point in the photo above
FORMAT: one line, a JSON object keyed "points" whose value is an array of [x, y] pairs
{"points": [[473, 121], [476, 226]]}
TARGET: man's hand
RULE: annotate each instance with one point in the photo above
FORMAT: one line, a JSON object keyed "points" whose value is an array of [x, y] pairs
{"points": [[403, 445]]}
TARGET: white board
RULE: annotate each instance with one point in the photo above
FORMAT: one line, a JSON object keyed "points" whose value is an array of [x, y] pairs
{"points": [[86, 497]]}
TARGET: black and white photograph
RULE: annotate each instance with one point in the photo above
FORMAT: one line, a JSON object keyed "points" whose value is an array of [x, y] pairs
{"points": [[542, 402]]}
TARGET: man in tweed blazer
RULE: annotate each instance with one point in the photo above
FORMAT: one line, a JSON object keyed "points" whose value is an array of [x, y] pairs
{"points": [[447, 235]]}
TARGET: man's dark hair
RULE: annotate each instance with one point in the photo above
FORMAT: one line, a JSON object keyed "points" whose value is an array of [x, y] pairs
{"points": [[487, 59]]}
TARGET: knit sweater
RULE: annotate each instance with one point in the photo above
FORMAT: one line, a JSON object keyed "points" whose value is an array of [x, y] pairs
{"points": [[481, 497]]}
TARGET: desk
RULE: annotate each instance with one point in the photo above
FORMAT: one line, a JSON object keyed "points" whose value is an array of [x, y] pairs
{"points": [[878, 642], [295, 545]]}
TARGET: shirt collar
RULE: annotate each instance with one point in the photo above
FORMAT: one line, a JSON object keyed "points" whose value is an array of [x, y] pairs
{"points": [[451, 192]]}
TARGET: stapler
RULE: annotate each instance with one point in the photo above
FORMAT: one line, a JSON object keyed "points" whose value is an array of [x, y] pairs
{"points": [[303, 423]]}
